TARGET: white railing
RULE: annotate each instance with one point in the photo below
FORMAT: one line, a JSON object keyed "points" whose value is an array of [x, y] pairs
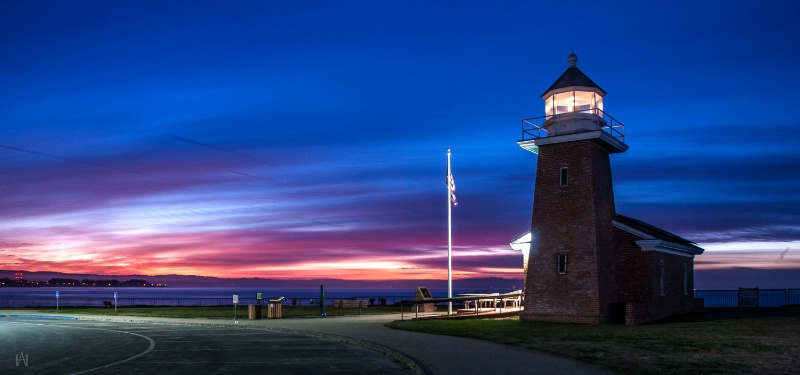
{"points": [[532, 130]]}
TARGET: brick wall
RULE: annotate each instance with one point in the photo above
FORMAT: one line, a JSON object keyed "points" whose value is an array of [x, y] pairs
{"points": [[635, 282], [574, 220], [640, 286]]}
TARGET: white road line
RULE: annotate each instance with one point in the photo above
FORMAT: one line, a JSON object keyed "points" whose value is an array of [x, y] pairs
{"points": [[152, 346]]}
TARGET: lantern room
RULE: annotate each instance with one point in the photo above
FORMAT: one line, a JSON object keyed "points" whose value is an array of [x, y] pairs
{"points": [[574, 99], [574, 103], [573, 108]]}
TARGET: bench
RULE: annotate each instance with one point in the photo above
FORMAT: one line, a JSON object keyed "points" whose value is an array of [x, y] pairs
{"points": [[350, 304], [108, 304]]}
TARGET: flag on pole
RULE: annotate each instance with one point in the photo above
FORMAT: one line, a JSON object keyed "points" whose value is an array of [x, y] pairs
{"points": [[451, 184], [451, 193]]}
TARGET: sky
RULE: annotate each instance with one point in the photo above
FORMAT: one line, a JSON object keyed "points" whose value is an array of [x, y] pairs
{"points": [[309, 139]]}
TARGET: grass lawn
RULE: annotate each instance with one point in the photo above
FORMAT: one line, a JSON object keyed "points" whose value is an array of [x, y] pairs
{"points": [[210, 312], [707, 343]]}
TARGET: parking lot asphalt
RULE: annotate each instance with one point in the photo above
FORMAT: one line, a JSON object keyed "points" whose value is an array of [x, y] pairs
{"points": [[298, 346], [60, 346]]}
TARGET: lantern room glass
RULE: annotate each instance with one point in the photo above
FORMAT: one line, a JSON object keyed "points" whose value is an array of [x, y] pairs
{"points": [[573, 101]]}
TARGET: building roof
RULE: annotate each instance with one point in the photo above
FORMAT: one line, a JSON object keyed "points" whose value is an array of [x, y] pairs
{"points": [[573, 77], [652, 230], [655, 236]]}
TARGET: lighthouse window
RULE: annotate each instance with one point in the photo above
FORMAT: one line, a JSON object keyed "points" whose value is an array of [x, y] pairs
{"points": [[584, 101], [564, 177], [562, 263], [564, 102], [573, 101], [549, 106]]}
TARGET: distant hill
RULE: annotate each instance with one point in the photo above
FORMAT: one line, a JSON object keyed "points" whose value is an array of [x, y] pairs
{"points": [[486, 283]]}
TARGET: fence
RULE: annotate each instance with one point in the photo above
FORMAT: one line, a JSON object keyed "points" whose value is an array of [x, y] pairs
{"points": [[745, 297], [167, 301], [491, 303]]}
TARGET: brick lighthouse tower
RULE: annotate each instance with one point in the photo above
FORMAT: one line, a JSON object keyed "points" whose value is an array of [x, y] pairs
{"points": [[586, 263]]}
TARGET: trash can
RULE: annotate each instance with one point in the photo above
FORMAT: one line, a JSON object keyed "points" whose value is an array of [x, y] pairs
{"points": [[274, 308], [253, 312]]}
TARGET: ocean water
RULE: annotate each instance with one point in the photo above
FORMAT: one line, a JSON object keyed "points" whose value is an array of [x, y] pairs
{"points": [[155, 296], [152, 296]]}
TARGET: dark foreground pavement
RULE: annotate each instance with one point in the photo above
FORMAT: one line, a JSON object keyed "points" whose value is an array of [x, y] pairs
{"points": [[49, 346], [332, 345]]}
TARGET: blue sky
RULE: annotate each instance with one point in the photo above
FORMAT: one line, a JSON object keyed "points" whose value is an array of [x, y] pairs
{"points": [[308, 139]]}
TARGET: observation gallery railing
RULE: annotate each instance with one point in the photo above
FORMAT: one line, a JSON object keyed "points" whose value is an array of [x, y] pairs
{"points": [[532, 127]]}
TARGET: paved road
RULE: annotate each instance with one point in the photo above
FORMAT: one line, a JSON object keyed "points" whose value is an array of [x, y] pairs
{"points": [[82, 346]]}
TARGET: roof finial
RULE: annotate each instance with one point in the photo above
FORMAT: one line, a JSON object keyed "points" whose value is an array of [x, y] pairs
{"points": [[573, 59]]}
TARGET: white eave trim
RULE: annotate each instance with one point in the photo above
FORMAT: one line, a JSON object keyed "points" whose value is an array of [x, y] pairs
{"points": [[632, 231], [522, 243], [667, 247], [650, 243]]}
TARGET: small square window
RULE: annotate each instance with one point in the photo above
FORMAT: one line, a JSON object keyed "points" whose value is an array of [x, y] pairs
{"points": [[562, 263], [564, 177]]}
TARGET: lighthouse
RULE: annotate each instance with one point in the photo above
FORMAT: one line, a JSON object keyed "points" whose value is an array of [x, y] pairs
{"points": [[586, 263]]}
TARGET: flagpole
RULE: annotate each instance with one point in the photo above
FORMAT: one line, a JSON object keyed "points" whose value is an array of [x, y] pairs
{"points": [[449, 239]]}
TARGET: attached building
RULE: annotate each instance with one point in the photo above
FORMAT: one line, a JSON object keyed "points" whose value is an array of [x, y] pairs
{"points": [[585, 262]]}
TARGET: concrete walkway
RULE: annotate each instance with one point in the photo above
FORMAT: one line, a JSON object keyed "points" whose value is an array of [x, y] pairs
{"points": [[425, 353], [442, 355]]}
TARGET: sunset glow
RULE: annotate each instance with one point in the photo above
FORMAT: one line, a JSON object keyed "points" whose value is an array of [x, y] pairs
{"points": [[302, 140]]}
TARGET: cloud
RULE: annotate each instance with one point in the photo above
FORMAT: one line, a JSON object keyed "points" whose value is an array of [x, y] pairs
{"points": [[159, 138], [755, 255]]}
